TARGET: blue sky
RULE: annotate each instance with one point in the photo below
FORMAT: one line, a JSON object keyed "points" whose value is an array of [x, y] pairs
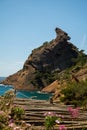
{"points": [[27, 24]]}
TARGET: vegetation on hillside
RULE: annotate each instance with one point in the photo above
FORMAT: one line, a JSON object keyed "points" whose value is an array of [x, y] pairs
{"points": [[75, 93], [42, 77], [45, 44], [80, 61]]}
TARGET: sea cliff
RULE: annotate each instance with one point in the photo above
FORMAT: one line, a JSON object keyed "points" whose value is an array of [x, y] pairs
{"points": [[45, 63]]}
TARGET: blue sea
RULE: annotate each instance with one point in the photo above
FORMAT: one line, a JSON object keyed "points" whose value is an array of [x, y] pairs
{"points": [[25, 94]]}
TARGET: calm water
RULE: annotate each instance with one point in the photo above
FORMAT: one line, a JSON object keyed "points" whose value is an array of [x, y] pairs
{"points": [[24, 94]]}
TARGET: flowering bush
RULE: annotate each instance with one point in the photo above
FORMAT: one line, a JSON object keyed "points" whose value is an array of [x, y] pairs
{"points": [[51, 119], [10, 115], [49, 122], [74, 112]]}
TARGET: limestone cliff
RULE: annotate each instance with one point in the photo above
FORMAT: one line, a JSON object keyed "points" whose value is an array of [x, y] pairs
{"points": [[50, 58]]}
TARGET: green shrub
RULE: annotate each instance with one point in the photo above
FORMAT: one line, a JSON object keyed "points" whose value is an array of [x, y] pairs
{"points": [[48, 77], [50, 120], [75, 93], [17, 112], [81, 60]]}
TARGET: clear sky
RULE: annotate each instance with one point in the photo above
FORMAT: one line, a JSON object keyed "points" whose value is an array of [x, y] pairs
{"points": [[27, 24]]}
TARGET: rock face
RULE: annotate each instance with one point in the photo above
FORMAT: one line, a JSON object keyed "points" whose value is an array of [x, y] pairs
{"points": [[52, 87], [51, 57]]}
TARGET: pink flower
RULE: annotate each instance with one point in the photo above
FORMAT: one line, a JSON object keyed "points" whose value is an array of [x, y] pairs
{"points": [[50, 114], [62, 127], [74, 112], [70, 109], [11, 125], [61, 116]]}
